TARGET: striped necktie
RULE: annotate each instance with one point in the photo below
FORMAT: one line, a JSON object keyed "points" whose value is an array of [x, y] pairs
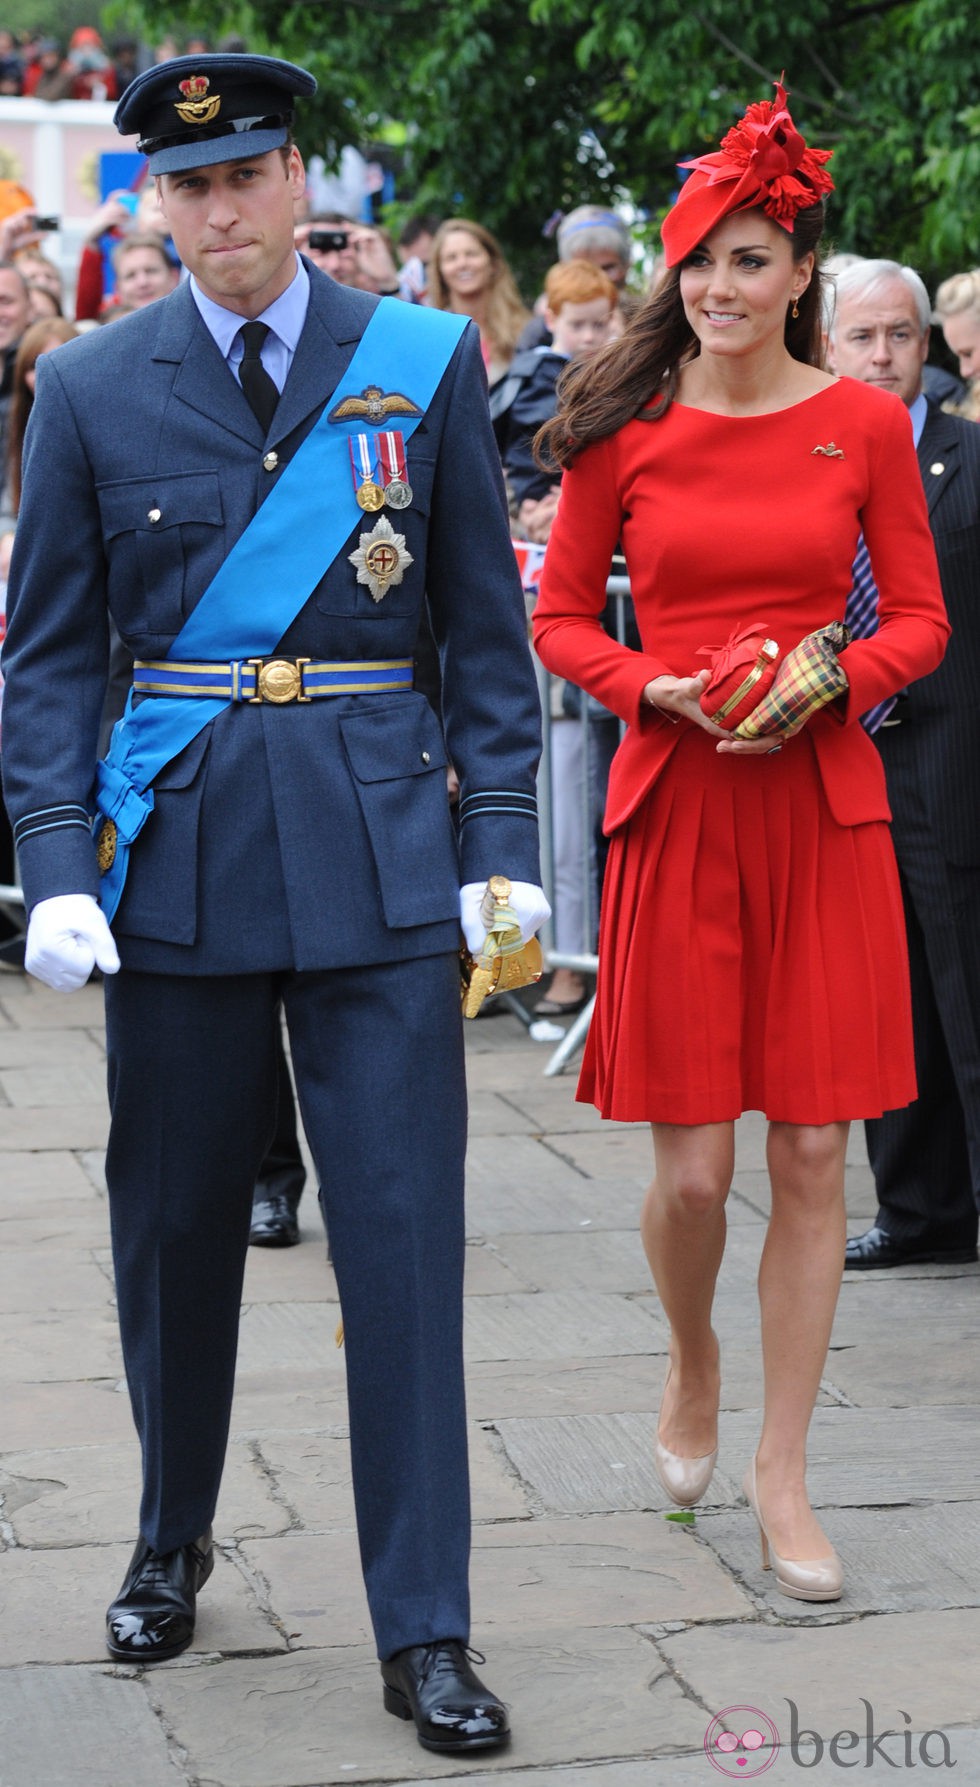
{"points": [[861, 615]]}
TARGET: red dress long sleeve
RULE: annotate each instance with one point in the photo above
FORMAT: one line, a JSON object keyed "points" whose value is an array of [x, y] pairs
{"points": [[752, 950]]}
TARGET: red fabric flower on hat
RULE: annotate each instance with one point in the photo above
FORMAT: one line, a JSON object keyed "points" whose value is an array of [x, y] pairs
{"points": [[763, 160]]}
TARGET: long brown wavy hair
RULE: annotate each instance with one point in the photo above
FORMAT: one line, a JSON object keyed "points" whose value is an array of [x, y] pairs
{"points": [[638, 374], [505, 313], [48, 332]]}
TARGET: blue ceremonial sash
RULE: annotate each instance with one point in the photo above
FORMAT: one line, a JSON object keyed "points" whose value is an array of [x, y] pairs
{"points": [[269, 574]]}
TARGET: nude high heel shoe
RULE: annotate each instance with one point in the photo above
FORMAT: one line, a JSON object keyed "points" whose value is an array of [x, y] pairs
{"points": [[816, 1579], [684, 1479]]}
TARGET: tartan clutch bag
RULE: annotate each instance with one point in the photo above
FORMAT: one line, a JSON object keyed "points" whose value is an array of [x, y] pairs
{"points": [[808, 678], [742, 671]]}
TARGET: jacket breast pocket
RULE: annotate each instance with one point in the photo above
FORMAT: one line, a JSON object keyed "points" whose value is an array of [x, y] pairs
{"points": [[155, 529], [398, 763], [339, 592]]}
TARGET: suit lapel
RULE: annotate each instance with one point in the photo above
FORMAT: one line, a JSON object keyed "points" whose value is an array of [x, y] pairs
{"points": [[939, 455], [335, 321]]}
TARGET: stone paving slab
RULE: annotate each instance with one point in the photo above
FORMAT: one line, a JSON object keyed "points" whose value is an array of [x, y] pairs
{"points": [[944, 1371], [41, 1346], [316, 1717], [501, 1388], [290, 1336], [609, 1570], [53, 1608], [526, 1205], [493, 1113], [275, 1401], [549, 1324], [54, 1083], [896, 1560], [313, 1479], [69, 1281], [924, 1664], [28, 1005], [526, 1576], [33, 1226], [72, 1126], [72, 1414], [590, 1464], [591, 1259], [41, 1174], [80, 1728], [49, 1049], [90, 1494], [881, 1457]]}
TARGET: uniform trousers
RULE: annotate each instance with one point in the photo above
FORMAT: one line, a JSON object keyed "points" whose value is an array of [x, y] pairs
{"points": [[926, 1157], [378, 1058]]}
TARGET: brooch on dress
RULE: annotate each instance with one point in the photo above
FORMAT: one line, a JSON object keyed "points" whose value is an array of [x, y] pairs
{"points": [[830, 451]]}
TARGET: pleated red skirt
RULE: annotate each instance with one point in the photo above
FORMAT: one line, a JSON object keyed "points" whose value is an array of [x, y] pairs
{"points": [[751, 952]]}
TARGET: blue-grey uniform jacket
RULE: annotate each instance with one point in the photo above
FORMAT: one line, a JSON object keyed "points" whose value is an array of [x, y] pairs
{"points": [[294, 837]]}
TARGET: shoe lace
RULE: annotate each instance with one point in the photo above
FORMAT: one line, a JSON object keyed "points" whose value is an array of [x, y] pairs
{"points": [[441, 1658], [155, 1571]]}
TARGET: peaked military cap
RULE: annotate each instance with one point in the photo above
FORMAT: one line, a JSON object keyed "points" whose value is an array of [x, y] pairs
{"points": [[194, 111]]}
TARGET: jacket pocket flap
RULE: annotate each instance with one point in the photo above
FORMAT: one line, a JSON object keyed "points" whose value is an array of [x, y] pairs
{"points": [[394, 741], [138, 505]]}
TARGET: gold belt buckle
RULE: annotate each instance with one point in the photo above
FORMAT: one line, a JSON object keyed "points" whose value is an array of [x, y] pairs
{"points": [[278, 680]]}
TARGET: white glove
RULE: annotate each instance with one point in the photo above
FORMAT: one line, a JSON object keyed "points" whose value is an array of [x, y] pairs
{"points": [[66, 937], [527, 901]]}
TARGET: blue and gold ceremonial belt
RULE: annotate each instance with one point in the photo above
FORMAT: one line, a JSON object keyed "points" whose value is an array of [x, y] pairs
{"points": [[275, 680]]}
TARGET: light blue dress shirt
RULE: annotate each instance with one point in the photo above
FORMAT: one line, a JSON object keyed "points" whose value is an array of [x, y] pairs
{"points": [[285, 317]]}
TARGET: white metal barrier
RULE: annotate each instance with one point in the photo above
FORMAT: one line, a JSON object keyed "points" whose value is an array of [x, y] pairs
{"points": [[583, 960]]}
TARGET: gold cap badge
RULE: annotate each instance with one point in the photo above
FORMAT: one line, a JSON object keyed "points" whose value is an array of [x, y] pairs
{"points": [[197, 107]]}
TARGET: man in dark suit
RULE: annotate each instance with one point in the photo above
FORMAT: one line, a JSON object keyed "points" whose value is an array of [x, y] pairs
{"points": [[295, 848], [926, 1157]]}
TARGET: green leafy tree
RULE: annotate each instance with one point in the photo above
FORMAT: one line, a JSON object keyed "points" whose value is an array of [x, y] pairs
{"points": [[510, 111]]}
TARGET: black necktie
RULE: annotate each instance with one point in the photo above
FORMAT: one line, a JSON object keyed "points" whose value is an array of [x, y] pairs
{"points": [[258, 386]]}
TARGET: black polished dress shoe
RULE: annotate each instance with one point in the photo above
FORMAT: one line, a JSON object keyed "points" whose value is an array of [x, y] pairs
{"points": [[877, 1248], [152, 1617], [273, 1222], [434, 1685]]}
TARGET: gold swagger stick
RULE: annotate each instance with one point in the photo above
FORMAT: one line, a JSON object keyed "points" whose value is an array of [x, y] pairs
{"points": [[505, 962]]}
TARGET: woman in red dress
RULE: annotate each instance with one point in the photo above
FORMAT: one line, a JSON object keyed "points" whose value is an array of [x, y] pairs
{"points": [[752, 945]]}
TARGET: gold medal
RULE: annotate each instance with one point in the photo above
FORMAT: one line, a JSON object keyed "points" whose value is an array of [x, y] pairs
{"points": [[382, 558], [370, 496]]}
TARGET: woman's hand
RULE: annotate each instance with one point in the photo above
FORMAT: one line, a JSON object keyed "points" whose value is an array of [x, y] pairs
{"points": [[679, 697]]}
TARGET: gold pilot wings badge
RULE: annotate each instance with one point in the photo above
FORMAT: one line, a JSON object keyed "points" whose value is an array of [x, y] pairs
{"points": [[198, 105], [373, 405]]}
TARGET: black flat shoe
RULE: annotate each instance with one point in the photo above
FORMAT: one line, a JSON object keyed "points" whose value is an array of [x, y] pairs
{"points": [[273, 1222], [876, 1248], [434, 1685], [152, 1617]]}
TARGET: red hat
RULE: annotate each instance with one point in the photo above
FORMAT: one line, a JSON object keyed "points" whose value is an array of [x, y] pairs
{"points": [[763, 161]]}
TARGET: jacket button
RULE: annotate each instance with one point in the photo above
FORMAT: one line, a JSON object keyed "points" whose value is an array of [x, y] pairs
{"points": [[154, 515], [425, 756], [270, 461]]}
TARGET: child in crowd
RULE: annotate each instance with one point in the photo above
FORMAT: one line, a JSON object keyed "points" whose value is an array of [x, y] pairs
{"points": [[579, 303]]}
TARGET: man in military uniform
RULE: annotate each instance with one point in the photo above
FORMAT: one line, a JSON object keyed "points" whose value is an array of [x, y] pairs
{"points": [[277, 793]]}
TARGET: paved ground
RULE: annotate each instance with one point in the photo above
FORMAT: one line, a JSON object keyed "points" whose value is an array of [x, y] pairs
{"points": [[616, 1634]]}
